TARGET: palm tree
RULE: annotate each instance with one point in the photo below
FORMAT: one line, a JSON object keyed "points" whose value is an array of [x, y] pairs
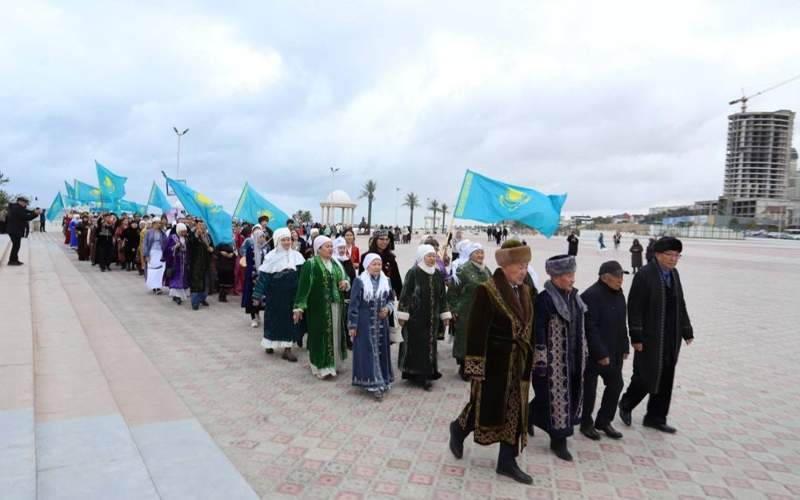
{"points": [[412, 202], [368, 192], [434, 205], [444, 209]]}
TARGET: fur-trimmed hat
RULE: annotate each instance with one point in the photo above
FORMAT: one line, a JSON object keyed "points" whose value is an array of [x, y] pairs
{"points": [[512, 252], [668, 243], [560, 264]]}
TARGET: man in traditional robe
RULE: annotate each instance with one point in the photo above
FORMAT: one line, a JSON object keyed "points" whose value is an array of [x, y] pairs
{"points": [[498, 361], [559, 358], [657, 320]]}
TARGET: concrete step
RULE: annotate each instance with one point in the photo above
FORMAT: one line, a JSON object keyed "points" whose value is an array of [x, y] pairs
{"points": [[182, 459], [17, 441], [84, 448]]}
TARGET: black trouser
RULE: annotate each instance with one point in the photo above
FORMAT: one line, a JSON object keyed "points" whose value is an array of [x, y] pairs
{"points": [[658, 404], [466, 424], [612, 378], [105, 251], [15, 242], [41, 226]]}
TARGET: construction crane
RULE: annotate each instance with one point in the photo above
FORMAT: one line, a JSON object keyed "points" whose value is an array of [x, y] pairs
{"points": [[745, 98]]}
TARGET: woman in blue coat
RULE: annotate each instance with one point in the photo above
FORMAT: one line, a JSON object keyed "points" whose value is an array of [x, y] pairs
{"points": [[371, 303]]}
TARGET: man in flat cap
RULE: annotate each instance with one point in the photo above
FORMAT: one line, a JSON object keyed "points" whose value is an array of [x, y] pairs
{"points": [[657, 320], [498, 361], [607, 336], [17, 225], [559, 356]]}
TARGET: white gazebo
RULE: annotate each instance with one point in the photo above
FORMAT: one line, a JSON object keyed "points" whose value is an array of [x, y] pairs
{"points": [[337, 201]]}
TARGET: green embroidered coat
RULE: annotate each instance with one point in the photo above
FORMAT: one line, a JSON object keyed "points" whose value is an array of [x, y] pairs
{"points": [[459, 299], [317, 291]]}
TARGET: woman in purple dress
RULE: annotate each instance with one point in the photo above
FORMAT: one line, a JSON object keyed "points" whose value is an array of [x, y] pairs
{"points": [[175, 276]]}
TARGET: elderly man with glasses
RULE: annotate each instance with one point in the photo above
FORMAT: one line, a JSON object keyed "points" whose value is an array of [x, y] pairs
{"points": [[657, 321]]}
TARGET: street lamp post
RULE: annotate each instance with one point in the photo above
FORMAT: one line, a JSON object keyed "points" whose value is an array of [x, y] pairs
{"points": [[178, 166]]}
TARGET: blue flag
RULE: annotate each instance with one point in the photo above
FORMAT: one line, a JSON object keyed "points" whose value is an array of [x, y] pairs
{"points": [[159, 199], [131, 207], [70, 199], [55, 208], [199, 205], [111, 184], [86, 193], [487, 200], [252, 205]]}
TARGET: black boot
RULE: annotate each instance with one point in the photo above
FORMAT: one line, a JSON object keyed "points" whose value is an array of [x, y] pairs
{"points": [[456, 439], [587, 429], [624, 414], [559, 447], [223, 297], [507, 465]]}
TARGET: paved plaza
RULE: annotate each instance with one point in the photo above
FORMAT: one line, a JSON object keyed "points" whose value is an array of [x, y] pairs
{"points": [[172, 376]]}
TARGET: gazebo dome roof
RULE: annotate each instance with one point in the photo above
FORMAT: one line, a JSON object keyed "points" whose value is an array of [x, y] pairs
{"points": [[339, 197]]}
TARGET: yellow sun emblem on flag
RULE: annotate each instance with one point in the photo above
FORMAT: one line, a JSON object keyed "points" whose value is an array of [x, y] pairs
{"points": [[109, 183], [265, 212], [95, 192], [203, 200], [513, 199]]}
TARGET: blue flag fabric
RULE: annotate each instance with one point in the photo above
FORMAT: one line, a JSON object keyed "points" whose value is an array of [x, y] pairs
{"points": [[252, 205], [70, 199], [131, 207], [111, 184], [199, 205], [159, 199], [491, 201], [86, 193], [55, 208]]}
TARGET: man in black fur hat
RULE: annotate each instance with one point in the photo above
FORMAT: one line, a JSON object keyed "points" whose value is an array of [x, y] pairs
{"points": [[657, 321]]}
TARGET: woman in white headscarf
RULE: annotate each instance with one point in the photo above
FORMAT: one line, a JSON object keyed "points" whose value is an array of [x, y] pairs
{"points": [[371, 302], [423, 305], [252, 260], [320, 297], [276, 287], [469, 274]]}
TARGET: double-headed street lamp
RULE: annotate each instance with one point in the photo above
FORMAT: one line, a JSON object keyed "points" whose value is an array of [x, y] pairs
{"points": [[178, 166]]}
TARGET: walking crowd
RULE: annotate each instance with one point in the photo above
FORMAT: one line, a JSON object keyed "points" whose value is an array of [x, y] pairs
{"points": [[311, 285]]}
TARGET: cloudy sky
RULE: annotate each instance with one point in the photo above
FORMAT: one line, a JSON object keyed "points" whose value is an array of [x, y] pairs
{"points": [[621, 105]]}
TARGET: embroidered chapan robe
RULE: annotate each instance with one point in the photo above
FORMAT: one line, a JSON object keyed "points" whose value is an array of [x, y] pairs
{"points": [[559, 361], [278, 291], [498, 359], [319, 297], [372, 359], [422, 306], [459, 299]]}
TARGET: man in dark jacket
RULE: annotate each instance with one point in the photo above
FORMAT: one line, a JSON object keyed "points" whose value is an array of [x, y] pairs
{"points": [[16, 225], [607, 336], [657, 320]]}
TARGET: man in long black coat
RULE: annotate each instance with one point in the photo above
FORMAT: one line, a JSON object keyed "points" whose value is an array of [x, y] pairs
{"points": [[17, 225], [657, 320], [498, 360], [607, 336]]}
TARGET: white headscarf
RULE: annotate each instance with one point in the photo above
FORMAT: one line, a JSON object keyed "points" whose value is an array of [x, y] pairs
{"points": [[180, 227], [422, 251], [465, 249], [319, 241], [366, 280], [279, 259], [337, 244]]}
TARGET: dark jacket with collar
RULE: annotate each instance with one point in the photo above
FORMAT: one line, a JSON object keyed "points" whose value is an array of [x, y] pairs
{"points": [[606, 326], [647, 309], [17, 219]]}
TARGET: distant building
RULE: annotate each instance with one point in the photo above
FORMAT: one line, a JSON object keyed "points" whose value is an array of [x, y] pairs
{"points": [[757, 164]]}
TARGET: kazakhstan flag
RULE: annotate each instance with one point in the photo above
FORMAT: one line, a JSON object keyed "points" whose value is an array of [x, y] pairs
{"points": [[55, 208], [112, 185], [491, 201], [159, 199], [86, 193], [132, 207], [70, 198], [252, 205], [199, 205]]}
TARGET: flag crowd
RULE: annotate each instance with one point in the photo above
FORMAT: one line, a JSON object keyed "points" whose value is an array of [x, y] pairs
{"points": [[312, 287]]}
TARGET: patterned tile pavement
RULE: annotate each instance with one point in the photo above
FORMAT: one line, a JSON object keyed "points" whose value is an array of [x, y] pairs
{"points": [[736, 401]]}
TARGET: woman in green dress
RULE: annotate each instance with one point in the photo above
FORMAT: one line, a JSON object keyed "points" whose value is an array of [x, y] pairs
{"points": [[470, 272], [423, 306], [320, 296]]}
